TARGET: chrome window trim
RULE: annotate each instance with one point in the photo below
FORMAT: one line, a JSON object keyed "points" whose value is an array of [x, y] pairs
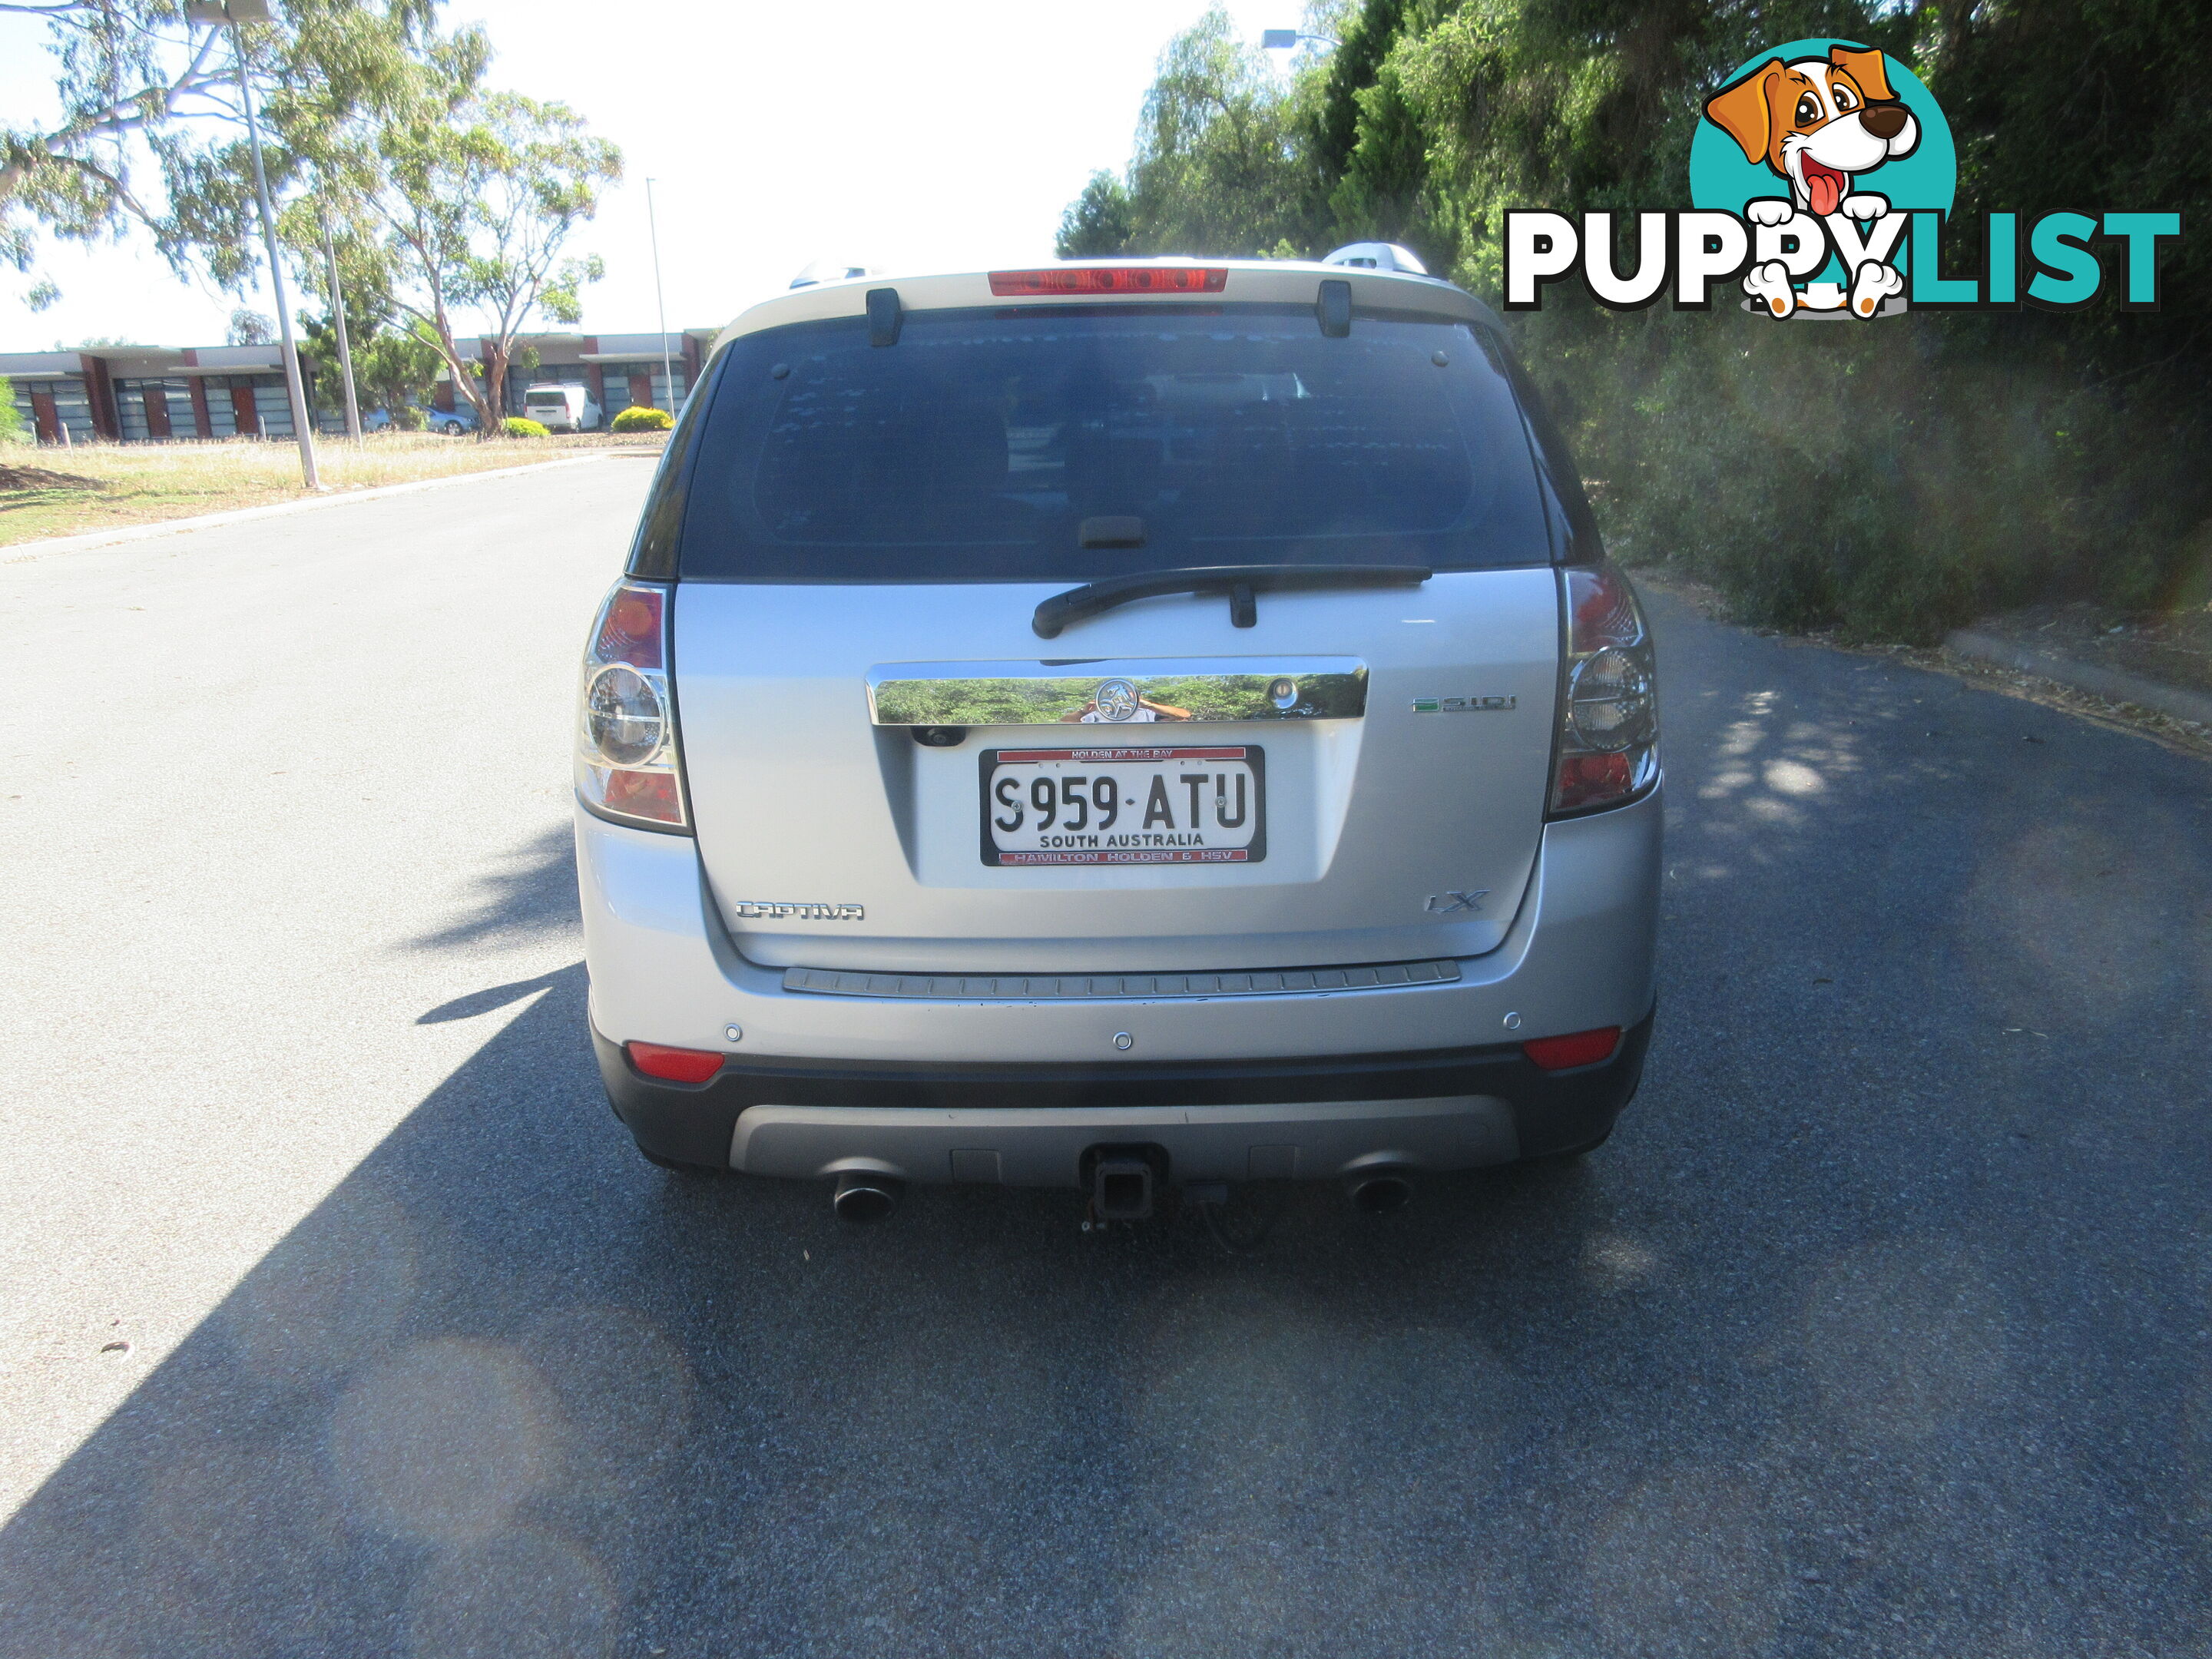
{"points": [[1195, 691]]}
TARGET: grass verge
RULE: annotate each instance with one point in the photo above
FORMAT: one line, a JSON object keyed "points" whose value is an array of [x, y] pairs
{"points": [[50, 491]]}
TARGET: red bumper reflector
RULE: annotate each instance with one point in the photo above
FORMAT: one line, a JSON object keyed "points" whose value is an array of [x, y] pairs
{"points": [[1107, 279], [674, 1064], [1561, 1054]]}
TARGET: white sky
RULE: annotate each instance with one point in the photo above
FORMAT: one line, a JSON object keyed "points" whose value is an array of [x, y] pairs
{"points": [[896, 135]]}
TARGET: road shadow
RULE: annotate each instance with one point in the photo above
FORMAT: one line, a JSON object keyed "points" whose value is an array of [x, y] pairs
{"points": [[1874, 1329], [491, 998], [528, 894], [511, 1389]]}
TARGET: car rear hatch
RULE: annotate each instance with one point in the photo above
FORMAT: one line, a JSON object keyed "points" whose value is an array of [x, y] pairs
{"points": [[892, 769]]}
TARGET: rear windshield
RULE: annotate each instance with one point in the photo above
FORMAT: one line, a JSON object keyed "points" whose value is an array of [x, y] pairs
{"points": [[975, 448]]}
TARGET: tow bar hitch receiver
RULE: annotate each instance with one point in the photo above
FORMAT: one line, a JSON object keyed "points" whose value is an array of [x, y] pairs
{"points": [[1121, 1181]]}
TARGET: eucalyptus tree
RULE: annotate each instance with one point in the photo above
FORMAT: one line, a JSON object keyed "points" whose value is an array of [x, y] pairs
{"points": [[1218, 166], [544, 184], [147, 132], [473, 196]]}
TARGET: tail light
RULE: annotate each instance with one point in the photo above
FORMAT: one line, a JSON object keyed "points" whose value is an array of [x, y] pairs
{"points": [[1608, 737], [1107, 279], [627, 764]]}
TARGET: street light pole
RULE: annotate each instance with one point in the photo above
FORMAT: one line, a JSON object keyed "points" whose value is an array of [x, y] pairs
{"points": [[653, 230], [230, 14], [345, 345]]}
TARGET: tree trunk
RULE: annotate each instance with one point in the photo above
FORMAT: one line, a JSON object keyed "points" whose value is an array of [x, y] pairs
{"points": [[465, 383], [495, 381]]}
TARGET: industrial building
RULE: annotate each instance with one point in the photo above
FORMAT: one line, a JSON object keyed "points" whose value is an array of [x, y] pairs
{"points": [[161, 394]]}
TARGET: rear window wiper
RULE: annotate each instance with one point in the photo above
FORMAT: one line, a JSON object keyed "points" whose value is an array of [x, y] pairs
{"points": [[1239, 581]]}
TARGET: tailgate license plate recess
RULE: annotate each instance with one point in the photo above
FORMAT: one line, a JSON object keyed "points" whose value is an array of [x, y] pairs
{"points": [[1124, 805]]}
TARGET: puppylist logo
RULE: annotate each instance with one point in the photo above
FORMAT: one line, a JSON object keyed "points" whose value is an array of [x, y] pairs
{"points": [[1822, 175]]}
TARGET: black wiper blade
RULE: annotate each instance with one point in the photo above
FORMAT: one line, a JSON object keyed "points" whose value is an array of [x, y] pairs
{"points": [[1239, 581]]}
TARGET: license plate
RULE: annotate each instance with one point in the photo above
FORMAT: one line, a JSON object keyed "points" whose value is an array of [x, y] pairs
{"points": [[1125, 806]]}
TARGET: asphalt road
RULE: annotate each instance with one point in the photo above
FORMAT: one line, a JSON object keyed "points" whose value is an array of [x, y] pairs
{"points": [[1880, 1326]]}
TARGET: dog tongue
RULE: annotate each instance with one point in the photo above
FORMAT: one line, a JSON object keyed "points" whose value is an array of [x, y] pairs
{"points": [[1826, 187]]}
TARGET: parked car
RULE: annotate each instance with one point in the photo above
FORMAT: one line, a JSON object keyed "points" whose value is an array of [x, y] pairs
{"points": [[1113, 727], [560, 408], [454, 423]]}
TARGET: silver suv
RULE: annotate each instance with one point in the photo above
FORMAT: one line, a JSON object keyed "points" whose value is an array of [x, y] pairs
{"points": [[1113, 726]]}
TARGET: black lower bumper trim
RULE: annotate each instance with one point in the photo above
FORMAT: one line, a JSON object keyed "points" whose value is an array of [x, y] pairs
{"points": [[1553, 1111]]}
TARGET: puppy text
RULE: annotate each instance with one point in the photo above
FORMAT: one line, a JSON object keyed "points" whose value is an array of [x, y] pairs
{"points": [[2058, 261]]}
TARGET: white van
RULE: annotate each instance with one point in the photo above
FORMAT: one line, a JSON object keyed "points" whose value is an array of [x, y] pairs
{"points": [[562, 408]]}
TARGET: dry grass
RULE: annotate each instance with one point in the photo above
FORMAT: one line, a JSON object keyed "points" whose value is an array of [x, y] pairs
{"points": [[51, 491]]}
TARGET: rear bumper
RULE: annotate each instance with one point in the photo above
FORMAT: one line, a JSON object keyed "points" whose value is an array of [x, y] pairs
{"points": [[1578, 954], [1030, 1125]]}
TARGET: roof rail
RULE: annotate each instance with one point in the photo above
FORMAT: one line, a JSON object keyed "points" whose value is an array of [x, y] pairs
{"points": [[833, 271], [1377, 256]]}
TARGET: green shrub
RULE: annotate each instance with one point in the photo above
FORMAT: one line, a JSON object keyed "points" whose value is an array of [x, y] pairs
{"points": [[11, 420], [515, 427], [635, 419], [1890, 481], [408, 418]]}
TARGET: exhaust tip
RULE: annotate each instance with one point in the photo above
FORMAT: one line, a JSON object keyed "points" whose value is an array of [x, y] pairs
{"points": [[1380, 1195], [863, 1197]]}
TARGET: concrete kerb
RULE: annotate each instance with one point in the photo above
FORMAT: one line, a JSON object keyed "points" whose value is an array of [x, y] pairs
{"points": [[24, 552], [2115, 683]]}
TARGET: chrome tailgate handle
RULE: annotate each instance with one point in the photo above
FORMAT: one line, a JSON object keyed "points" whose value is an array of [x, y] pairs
{"points": [[1110, 693]]}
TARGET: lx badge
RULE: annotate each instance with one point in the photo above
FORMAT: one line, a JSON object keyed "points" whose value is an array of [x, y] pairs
{"points": [[1444, 904]]}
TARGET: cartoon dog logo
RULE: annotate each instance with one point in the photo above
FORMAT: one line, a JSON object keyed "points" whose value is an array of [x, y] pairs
{"points": [[1820, 124]]}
